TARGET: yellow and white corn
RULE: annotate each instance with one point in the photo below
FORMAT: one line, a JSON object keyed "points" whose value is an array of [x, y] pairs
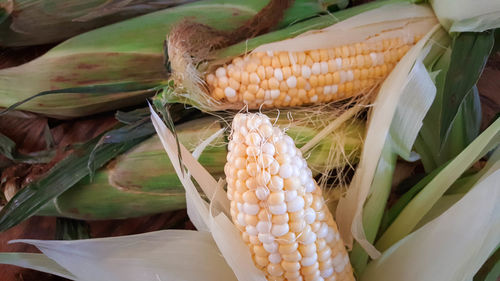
{"points": [[307, 77], [279, 208]]}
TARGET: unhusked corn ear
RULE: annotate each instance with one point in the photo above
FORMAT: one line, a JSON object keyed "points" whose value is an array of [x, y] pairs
{"points": [[277, 79], [278, 207]]}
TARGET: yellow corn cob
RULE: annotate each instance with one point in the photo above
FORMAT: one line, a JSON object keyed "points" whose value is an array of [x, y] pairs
{"points": [[279, 208], [307, 77]]}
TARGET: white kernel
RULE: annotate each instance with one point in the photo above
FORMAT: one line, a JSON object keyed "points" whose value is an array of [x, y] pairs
{"points": [[290, 195], [331, 235], [274, 168], [253, 151], [374, 58], [254, 122], [241, 219], [310, 238], [275, 258], [326, 273], [270, 53], [275, 94], [264, 226], [265, 160], [266, 237], [253, 139], [308, 261], [316, 68], [251, 230], [242, 175], [288, 99], [296, 204], [314, 98], [229, 92], [276, 183], [350, 75], [243, 130], [282, 147], [254, 240], [278, 74], [291, 82], [327, 90], [380, 59], [309, 215], [338, 61], [271, 247], [251, 209], [268, 149], [252, 169], [239, 206], [306, 71], [324, 67], [343, 76], [220, 72], [278, 209], [322, 231], [262, 193], [267, 95], [310, 186], [280, 229], [239, 150], [338, 263], [286, 171], [335, 89], [291, 58]]}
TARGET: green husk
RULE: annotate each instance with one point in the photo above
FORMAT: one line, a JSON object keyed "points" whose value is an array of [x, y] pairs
{"points": [[143, 181], [125, 52], [34, 22]]}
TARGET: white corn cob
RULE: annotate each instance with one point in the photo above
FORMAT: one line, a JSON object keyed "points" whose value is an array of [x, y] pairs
{"points": [[279, 208]]}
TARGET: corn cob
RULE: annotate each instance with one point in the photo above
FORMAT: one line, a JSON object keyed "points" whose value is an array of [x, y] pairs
{"points": [[34, 22], [111, 56], [347, 59], [143, 181], [278, 207]]}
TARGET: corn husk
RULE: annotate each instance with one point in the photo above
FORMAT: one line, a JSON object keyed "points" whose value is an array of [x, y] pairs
{"points": [[35, 22], [121, 64], [143, 181]]}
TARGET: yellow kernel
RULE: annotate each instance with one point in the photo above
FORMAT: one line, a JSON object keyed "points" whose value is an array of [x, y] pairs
{"points": [[329, 79], [336, 77], [321, 80], [341, 88], [290, 266], [234, 84], [313, 80], [261, 94], [274, 269], [293, 92], [252, 88], [264, 85], [248, 97], [315, 56], [280, 219], [285, 249], [294, 102], [294, 256], [360, 60], [287, 238], [301, 83], [210, 79], [219, 93], [323, 54], [352, 50], [284, 60], [266, 61], [319, 90], [261, 72], [287, 72], [310, 270], [357, 74], [307, 250], [332, 66], [311, 93], [245, 78], [356, 85], [302, 94], [251, 67], [260, 251], [283, 86], [276, 198], [345, 52], [275, 62], [251, 220], [273, 83], [309, 61], [301, 58], [297, 226], [261, 261]]}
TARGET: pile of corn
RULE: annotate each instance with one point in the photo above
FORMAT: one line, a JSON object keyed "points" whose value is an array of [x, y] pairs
{"points": [[312, 69]]}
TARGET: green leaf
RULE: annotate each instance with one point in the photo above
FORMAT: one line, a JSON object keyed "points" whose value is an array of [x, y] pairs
{"points": [[468, 58], [426, 198], [8, 149], [58, 179], [70, 229], [490, 271]]}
